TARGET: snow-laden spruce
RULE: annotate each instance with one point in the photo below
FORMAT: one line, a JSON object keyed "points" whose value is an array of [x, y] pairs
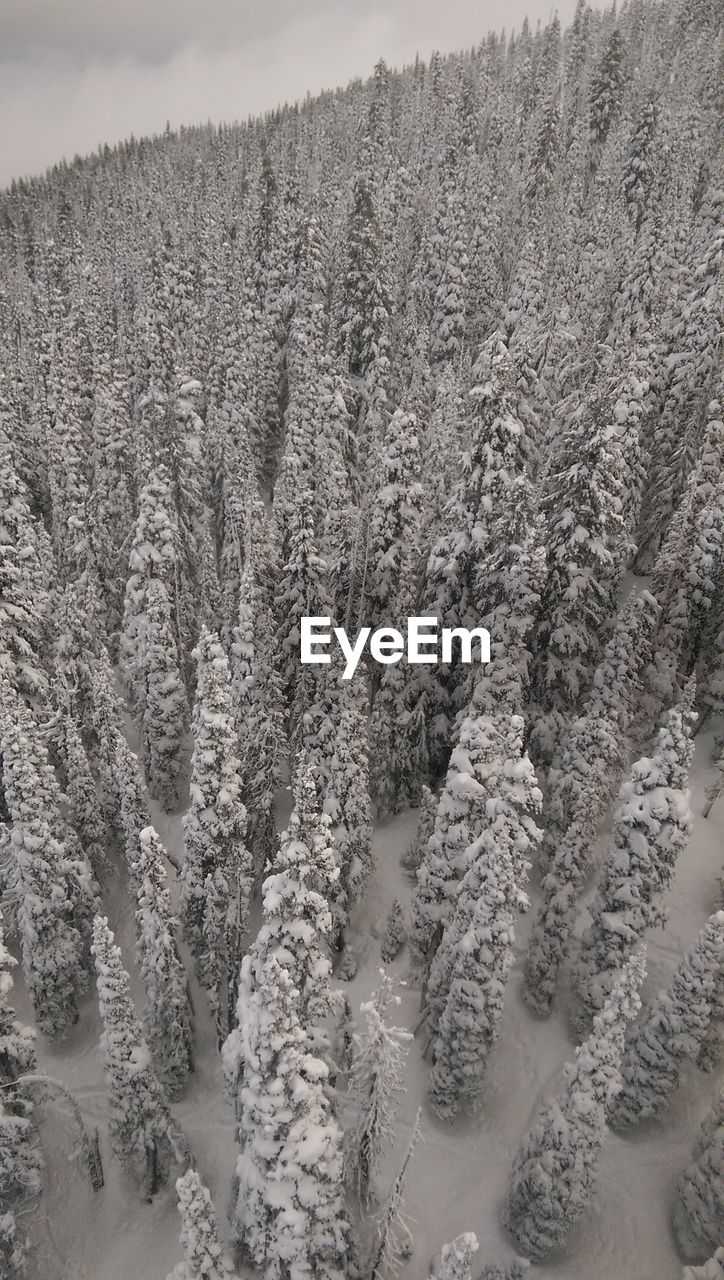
{"points": [[699, 1210], [51, 889], [288, 1209], [258, 708], [459, 819], [21, 1162], [165, 710], [456, 1260], [650, 832], [671, 1031], [203, 1254], [468, 975], [153, 555], [167, 1012], [214, 830], [139, 1115], [378, 1056], [554, 1171]]}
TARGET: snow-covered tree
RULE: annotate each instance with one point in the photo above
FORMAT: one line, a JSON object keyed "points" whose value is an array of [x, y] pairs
{"points": [[347, 795], [376, 1078], [82, 795], [165, 711], [167, 1013], [425, 826], [51, 889], [671, 1030], [215, 824], [20, 1162], [456, 1261], [258, 707], [459, 819], [699, 1210], [395, 932], [468, 975], [554, 1170], [153, 555], [394, 1238], [288, 1209], [139, 1116], [651, 829], [203, 1254]]}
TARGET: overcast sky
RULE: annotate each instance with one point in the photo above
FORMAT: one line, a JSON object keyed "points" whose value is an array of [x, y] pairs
{"points": [[77, 73]]}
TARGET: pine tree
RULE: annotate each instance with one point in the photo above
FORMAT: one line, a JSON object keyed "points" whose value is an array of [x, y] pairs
{"points": [[140, 1120], [698, 1214], [469, 971], [52, 889], [376, 1079], [459, 820], [289, 1207], [153, 555], [456, 1261], [651, 829], [425, 826], [165, 711], [24, 594], [204, 1257], [297, 899], [82, 796], [21, 1163], [554, 1170], [167, 1014], [347, 796], [215, 824], [394, 1238], [258, 707], [133, 810], [671, 1031]]}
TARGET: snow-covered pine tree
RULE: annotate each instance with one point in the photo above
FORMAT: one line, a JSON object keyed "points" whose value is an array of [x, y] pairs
{"points": [[394, 1238], [165, 710], [468, 974], [203, 1254], [134, 814], [303, 886], [393, 528], [651, 829], [347, 795], [258, 707], [378, 1055], [413, 856], [82, 795], [459, 819], [671, 1030], [554, 1170], [456, 1261], [585, 533], [288, 1209], [139, 1119], [699, 1210], [215, 824], [24, 593], [303, 590], [21, 1164], [153, 555], [167, 1012], [51, 888]]}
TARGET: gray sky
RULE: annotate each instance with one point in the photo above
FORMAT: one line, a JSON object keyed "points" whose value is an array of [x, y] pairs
{"points": [[77, 73]]}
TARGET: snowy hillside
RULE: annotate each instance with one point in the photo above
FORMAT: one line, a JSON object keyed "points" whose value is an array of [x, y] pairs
{"points": [[417, 972]]}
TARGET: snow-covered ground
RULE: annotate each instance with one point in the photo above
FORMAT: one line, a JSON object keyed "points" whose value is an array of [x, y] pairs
{"points": [[458, 1177]]}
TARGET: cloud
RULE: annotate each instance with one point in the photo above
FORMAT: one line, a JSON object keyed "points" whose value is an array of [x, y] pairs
{"points": [[75, 74]]}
